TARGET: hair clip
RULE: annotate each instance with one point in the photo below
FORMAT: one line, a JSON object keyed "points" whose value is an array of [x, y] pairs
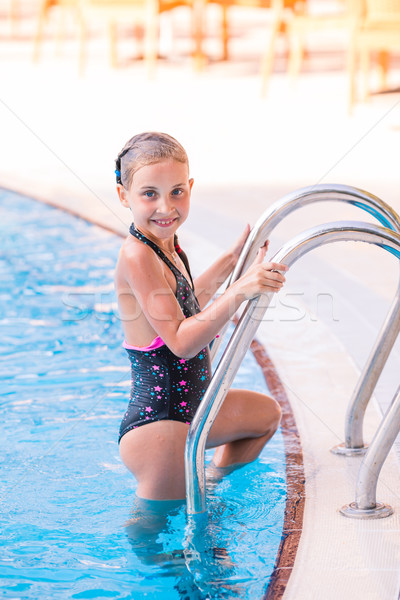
{"points": [[118, 173]]}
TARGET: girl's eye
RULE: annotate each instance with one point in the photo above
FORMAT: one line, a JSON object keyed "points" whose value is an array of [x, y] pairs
{"points": [[149, 194], [177, 192]]}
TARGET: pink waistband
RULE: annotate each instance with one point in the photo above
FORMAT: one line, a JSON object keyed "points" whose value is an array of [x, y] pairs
{"points": [[156, 343]]}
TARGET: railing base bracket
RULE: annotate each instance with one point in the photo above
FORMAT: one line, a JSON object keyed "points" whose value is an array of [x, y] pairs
{"points": [[343, 450], [380, 511]]}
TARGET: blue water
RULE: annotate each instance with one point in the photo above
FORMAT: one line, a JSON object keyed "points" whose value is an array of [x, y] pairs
{"points": [[69, 525]]}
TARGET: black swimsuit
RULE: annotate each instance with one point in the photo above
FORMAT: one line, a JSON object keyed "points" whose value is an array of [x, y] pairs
{"points": [[164, 386]]}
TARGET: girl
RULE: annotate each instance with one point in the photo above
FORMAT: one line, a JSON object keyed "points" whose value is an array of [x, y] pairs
{"points": [[167, 327]]}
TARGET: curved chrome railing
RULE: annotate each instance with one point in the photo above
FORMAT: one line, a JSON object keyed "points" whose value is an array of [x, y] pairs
{"points": [[354, 420], [354, 444], [365, 505], [302, 197], [244, 333], [273, 215]]}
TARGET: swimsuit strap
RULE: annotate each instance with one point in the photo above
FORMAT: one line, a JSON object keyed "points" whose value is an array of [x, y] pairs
{"points": [[139, 235]]}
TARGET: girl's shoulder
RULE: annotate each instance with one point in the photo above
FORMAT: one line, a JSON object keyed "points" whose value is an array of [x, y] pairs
{"points": [[136, 258], [133, 249]]}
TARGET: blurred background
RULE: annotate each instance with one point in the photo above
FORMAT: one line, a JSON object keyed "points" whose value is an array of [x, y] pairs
{"points": [[266, 96]]}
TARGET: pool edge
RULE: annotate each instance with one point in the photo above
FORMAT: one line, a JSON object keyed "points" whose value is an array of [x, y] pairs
{"points": [[122, 230], [295, 479]]}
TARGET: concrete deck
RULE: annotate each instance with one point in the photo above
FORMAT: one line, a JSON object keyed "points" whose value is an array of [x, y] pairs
{"points": [[60, 134]]}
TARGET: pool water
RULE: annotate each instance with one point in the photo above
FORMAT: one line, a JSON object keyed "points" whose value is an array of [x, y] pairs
{"points": [[70, 524]]}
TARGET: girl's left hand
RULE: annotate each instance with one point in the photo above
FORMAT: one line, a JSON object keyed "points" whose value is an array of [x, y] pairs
{"points": [[236, 249]]}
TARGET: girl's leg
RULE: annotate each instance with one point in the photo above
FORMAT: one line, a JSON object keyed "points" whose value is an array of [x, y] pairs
{"points": [[245, 423], [154, 453]]}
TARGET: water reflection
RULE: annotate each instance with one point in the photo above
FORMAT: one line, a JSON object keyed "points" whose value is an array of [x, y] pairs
{"points": [[155, 533], [189, 549], [208, 560]]}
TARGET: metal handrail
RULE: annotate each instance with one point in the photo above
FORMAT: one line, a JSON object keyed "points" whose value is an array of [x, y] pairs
{"points": [[354, 443], [244, 333], [354, 420], [365, 505], [274, 214]]}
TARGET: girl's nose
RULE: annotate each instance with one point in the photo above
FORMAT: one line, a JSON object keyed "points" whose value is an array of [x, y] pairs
{"points": [[165, 204]]}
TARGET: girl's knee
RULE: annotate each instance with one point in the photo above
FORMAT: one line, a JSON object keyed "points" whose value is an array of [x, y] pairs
{"points": [[271, 416], [276, 411]]}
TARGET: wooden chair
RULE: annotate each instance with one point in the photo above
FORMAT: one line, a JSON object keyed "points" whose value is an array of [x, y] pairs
{"points": [[298, 22], [226, 5], [13, 15], [376, 31], [279, 11], [342, 17], [283, 12], [141, 13], [64, 8]]}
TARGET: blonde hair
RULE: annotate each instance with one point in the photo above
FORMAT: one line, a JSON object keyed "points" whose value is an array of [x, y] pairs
{"points": [[146, 149]]}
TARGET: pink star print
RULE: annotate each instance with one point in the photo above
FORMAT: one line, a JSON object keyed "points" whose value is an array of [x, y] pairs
{"points": [[157, 388], [183, 404], [183, 382], [156, 367], [182, 361], [149, 409]]}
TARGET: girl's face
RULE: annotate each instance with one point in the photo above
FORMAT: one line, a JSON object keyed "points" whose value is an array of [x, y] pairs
{"points": [[159, 197]]}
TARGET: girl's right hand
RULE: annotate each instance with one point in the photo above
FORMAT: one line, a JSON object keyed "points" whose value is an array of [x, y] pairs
{"points": [[261, 277]]}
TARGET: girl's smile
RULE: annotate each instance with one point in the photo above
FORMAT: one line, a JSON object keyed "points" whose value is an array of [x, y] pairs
{"points": [[164, 223]]}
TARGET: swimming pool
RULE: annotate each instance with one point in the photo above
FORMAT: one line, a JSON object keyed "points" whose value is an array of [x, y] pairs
{"points": [[67, 501]]}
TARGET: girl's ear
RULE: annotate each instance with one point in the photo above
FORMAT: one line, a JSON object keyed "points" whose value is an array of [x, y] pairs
{"points": [[191, 182], [122, 195]]}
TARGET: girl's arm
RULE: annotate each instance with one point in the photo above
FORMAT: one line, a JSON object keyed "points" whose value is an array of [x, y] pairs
{"points": [[206, 284], [186, 337], [211, 280]]}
